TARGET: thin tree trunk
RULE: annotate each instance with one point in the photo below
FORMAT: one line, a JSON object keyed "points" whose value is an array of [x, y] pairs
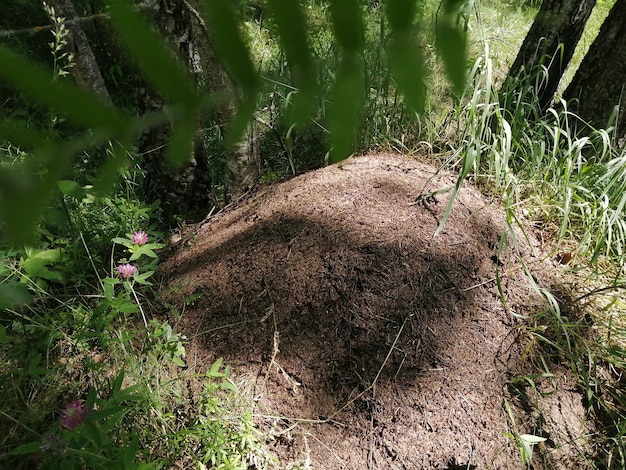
{"points": [[599, 83], [86, 72], [550, 43], [243, 164]]}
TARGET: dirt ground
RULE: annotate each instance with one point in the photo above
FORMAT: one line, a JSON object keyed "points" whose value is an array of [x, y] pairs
{"points": [[365, 341]]}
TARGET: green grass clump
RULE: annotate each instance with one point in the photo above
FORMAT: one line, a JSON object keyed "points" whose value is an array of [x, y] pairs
{"points": [[568, 180]]}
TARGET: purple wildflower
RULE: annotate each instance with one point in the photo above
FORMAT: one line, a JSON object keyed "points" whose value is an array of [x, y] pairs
{"points": [[126, 270], [140, 238], [73, 414]]}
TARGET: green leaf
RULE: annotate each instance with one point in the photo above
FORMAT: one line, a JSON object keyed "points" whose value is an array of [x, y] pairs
{"points": [[117, 383], [226, 385], [72, 189], [348, 94], [292, 29], [128, 307], [451, 43], [92, 432], [141, 251], [35, 264], [77, 106], [348, 24], [13, 294], [154, 59], [4, 339], [129, 394], [528, 442], [109, 283], [24, 449], [214, 370], [142, 278], [122, 241], [112, 414], [531, 439], [178, 361]]}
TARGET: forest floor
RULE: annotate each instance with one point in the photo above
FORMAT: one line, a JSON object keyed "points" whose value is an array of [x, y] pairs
{"points": [[366, 342]]}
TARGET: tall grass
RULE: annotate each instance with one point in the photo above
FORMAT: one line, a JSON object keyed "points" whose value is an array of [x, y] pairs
{"points": [[552, 168], [556, 172]]}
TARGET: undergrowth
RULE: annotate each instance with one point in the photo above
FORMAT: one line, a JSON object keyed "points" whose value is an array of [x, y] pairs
{"points": [[557, 176], [89, 378]]}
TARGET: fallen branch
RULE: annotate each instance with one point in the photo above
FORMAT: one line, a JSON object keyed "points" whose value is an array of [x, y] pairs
{"points": [[7, 33]]}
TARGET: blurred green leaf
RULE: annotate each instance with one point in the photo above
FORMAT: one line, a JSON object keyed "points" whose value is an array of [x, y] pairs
{"points": [[72, 189], [400, 14], [348, 24], [79, 107], [348, 94], [230, 44], [292, 28], [117, 158], [408, 69], [451, 43], [182, 141], [22, 199], [155, 60], [21, 134], [26, 189], [13, 294], [405, 61], [348, 90], [236, 58]]}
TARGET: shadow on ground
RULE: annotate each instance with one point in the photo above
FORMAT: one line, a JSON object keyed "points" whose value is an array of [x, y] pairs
{"points": [[366, 341]]}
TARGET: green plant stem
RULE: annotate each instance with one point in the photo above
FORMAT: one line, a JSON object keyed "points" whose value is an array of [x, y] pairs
{"points": [[143, 315]]}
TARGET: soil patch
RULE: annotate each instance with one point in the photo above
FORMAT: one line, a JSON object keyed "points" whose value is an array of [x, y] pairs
{"points": [[365, 340]]}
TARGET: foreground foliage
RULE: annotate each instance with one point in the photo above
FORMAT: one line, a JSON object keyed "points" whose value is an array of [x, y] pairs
{"points": [[89, 375]]}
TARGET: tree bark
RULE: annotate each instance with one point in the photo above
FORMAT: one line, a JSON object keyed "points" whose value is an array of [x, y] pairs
{"points": [[243, 164], [599, 83], [185, 193], [85, 72], [550, 42], [188, 193]]}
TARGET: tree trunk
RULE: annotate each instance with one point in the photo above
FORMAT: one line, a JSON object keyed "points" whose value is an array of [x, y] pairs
{"points": [[599, 82], [550, 43], [86, 72], [184, 192], [188, 193], [243, 164]]}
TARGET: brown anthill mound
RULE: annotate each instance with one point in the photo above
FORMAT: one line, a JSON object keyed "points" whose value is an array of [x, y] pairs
{"points": [[365, 340]]}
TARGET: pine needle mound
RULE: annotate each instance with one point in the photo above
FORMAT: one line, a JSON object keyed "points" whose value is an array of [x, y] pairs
{"points": [[365, 340]]}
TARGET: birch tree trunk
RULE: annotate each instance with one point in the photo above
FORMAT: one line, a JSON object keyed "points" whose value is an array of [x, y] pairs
{"points": [[187, 193]]}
